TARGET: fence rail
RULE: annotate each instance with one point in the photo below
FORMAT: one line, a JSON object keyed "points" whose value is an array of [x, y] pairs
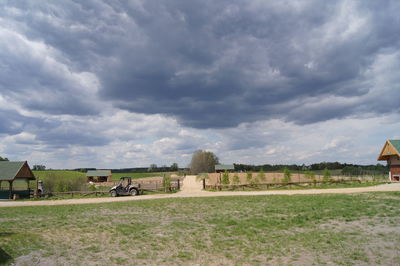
{"points": [[278, 185], [150, 187]]}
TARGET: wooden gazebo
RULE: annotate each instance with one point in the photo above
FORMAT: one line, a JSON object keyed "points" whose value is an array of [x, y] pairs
{"points": [[220, 168], [11, 172], [391, 153], [99, 176]]}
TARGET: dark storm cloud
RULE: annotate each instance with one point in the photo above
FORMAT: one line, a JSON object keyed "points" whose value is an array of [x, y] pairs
{"points": [[10, 122], [50, 132], [213, 63]]}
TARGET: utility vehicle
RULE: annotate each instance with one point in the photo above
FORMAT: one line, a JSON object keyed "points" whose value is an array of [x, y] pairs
{"points": [[125, 188]]}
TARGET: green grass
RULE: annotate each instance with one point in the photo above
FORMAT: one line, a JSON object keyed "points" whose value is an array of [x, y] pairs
{"points": [[257, 230], [61, 173], [71, 174]]}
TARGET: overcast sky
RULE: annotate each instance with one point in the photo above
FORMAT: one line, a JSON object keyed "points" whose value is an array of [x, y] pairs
{"points": [[112, 84]]}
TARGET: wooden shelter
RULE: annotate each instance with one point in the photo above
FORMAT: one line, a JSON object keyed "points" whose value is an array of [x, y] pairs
{"points": [[99, 176], [390, 153], [220, 168], [11, 172]]}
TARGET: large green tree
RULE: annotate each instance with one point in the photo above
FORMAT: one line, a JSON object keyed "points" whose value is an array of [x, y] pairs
{"points": [[3, 159], [203, 162]]}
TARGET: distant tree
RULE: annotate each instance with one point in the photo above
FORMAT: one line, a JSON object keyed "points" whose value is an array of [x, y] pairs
{"points": [[152, 168], [174, 167], [3, 159], [287, 175], [203, 162], [352, 171], [39, 167], [327, 176], [225, 178]]}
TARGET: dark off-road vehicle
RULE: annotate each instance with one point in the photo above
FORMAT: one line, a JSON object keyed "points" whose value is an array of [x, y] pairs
{"points": [[125, 188]]}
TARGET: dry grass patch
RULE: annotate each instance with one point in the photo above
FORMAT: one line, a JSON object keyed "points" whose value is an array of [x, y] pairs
{"points": [[256, 230]]}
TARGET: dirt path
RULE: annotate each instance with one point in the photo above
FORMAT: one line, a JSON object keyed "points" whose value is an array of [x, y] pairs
{"points": [[190, 185], [192, 188]]}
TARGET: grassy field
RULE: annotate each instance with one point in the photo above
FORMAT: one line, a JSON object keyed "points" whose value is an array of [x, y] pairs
{"points": [[117, 176], [360, 229], [71, 174], [60, 173]]}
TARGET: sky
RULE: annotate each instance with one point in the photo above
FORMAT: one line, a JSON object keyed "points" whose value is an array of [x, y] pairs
{"points": [[119, 84]]}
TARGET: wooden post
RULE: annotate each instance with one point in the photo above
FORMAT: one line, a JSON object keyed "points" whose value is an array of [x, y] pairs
{"points": [[204, 183], [10, 188]]}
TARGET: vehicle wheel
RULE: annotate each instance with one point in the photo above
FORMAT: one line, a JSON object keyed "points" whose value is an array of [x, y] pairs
{"points": [[113, 193], [134, 192]]}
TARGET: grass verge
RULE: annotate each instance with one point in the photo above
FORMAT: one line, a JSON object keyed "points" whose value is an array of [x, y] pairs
{"points": [[258, 230]]}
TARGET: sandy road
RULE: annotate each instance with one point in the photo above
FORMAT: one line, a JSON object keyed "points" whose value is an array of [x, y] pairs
{"points": [[192, 188]]}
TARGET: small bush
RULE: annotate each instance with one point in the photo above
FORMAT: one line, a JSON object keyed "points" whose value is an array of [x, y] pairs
{"points": [[249, 177], [255, 181], [235, 180], [261, 176], [310, 175], [91, 187], [287, 175], [225, 178], [327, 176], [167, 183]]}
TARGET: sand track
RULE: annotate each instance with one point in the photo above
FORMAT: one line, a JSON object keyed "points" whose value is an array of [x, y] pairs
{"points": [[192, 188]]}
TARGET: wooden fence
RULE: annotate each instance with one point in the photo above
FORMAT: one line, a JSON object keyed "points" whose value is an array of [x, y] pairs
{"points": [[277, 185], [151, 187]]}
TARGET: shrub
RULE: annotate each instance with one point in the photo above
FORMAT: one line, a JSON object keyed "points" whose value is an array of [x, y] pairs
{"points": [[327, 176], [225, 178], [91, 187], [287, 175], [235, 180], [310, 175], [255, 181], [261, 176], [63, 182], [166, 183], [249, 177]]}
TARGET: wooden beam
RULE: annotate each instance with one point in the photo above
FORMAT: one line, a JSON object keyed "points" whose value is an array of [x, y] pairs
{"points": [[10, 188]]}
